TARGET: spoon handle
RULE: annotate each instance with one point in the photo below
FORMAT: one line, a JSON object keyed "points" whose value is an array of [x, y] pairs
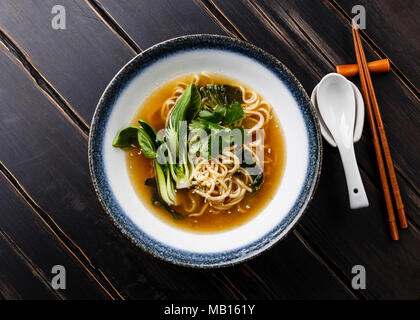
{"points": [[357, 193]]}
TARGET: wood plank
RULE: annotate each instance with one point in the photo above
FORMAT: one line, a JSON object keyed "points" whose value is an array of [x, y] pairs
{"points": [[393, 28], [291, 31], [38, 249], [79, 66], [73, 197], [361, 237], [149, 22], [276, 268], [17, 280]]}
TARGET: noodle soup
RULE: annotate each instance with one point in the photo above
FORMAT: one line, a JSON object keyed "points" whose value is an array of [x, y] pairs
{"points": [[221, 196]]}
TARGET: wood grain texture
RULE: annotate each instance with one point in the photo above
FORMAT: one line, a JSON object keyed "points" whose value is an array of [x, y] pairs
{"points": [[149, 22], [392, 27], [361, 237], [17, 280], [310, 39], [73, 65], [271, 274], [38, 250], [73, 200]]}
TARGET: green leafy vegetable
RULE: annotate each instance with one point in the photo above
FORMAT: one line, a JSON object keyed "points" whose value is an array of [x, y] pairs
{"points": [[157, 199], [126, 137], [215, 116], [149, 129], [146, 144], [223, 114], [203, 124], [238, 130], [258, 180], [249, 164], [145, 137], [197, 125], [233, 114], [209, 139], [165, 184], [218, 140], [195, 103], [185, 110], [212, 126], [214, 94]]}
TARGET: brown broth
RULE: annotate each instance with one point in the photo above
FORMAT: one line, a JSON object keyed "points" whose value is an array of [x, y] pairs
{"points": [[141, 168]]}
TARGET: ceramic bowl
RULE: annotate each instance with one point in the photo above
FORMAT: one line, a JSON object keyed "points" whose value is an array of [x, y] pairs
{"points": [[238, 60]]}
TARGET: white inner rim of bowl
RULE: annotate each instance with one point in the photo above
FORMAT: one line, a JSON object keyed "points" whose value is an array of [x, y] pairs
{"points": [[236, 66]]}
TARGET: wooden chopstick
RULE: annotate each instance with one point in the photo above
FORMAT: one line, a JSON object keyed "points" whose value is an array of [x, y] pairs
{"points": [[385, 146], [364, 75]]}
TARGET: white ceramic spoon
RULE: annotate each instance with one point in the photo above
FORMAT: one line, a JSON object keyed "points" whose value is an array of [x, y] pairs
{"points": [[337, 106], [358, 122]]}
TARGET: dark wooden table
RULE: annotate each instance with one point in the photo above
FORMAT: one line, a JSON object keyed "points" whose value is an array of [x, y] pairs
{"points": [[51, 80]]}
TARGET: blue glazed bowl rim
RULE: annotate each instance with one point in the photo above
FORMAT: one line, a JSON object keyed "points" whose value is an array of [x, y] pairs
{"points": [[110, 204]]}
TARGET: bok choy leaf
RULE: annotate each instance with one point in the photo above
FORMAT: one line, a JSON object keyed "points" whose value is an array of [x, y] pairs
{"points": [[145, 137], [157, 200], [126, 137], [146, 144], [186, 109]]}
